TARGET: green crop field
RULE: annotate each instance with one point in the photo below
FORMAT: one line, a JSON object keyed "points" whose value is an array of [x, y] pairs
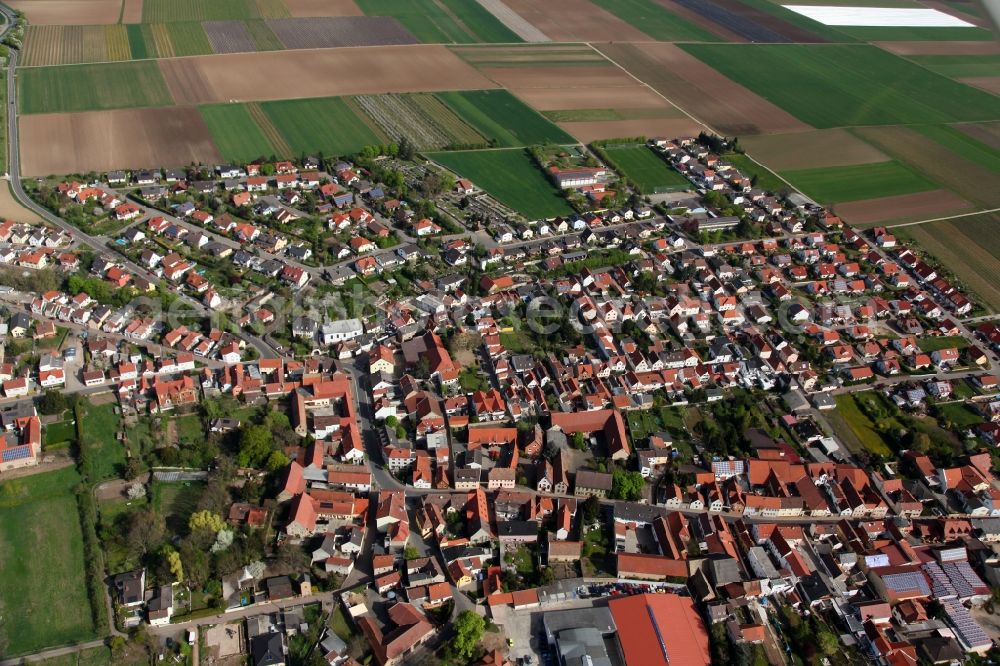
{"points": [[860, 181], [443, 21], [498, 115], [263, 37], [962, 144], [761, 176], [114, 85], [645, 169], [917, 34], [827, 32], [188, 39], [324, 124], [169, 11], [838, 85], [512, 176], [43, 592], [137, 42], [958, 66], [656, 21], [235, 133]]}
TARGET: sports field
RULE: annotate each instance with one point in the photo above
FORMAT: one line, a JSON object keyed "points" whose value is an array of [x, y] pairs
{"points": [[443, 21], [43, 593], [512, 176], [861, 181], [656, 21], [967, 246], [235, 133], [648, 172], [326, 124], [91, 87], [837, 85], [498, 115]]}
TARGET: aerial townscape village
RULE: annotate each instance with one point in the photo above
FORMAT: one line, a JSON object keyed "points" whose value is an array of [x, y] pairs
{"points": [[499, 332]]}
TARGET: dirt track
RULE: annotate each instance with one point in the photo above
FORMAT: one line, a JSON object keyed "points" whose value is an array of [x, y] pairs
{"points": [[575, 21], [701, 91], [124, 138], [811, 150], [318, 73], [69, 12], [906, 206]]}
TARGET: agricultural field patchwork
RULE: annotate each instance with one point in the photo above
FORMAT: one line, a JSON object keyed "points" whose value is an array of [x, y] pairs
{"points": [[421, 118], [847, 84], [656, 21], [503, 118], [644, 168], [968, 247], [832, 185], [328, 125], [73, 44], [36, 546], [238, 137], [512, 176], [443, 21], [960, 66], [166, 11], [91, 87], [317, 33]]}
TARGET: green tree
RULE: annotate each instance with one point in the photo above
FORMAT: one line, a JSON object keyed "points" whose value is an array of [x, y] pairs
{"points": [[469, 627], [53, 402], [591, 509], [206, 520], [256, 444], [627, 485]]}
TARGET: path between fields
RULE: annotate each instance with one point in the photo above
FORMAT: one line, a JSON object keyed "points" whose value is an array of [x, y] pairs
{"points": [[49, 654], [942, 219]]}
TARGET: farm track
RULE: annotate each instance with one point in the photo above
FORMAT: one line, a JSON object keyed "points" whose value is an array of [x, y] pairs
{"points": [[274, 136]]}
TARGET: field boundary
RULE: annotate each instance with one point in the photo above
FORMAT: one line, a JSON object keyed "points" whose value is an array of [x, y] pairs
{"points": [[271, 132]]}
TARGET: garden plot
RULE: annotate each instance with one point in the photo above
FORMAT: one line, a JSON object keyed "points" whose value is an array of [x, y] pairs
{"points": [[879, 17]]}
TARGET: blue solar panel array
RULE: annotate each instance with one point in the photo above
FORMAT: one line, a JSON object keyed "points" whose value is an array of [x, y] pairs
{"points": [[16, 453]]}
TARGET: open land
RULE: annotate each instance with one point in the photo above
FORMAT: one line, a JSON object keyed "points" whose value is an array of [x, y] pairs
{"points": [[102, 140], [166, 11], [907, 207], [324, 72], [443, 21], [511, 176], [41, 541], [326, 124], [503, 118], [810, 150], [587, 131], [961, 66], [938, 161], [748, 23], [131, 11], [91, 87], [968, 247], [990, 84], [235, 133], [986, 133], [656, 20], [421, 118], [940, 48], [332, 32], [575, 21], [647, 170], [69, 12], [831, 185], [64, 45], [701, 91], [848, 84], [299, 8]]}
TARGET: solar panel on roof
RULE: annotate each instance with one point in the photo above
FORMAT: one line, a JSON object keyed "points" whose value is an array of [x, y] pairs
{"points": [[16, 453]]}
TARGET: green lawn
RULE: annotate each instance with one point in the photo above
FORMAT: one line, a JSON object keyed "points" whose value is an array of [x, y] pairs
{"points": [[860, 425], [60, 432], [114, 85], [498, 115], [189, 38], [938, 342], [957, 66], [176, 502], [512, 176], [838, 85], [107, 454], [324, 124], [97, 656], [43, 592], [960, 415], [189, 428], [235, 133], [962, 144], [645, 169], [857, 182], [656, 21], [443, 21]]}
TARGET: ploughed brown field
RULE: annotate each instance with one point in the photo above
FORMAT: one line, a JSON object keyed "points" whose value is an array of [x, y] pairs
{"points": [[317, 73], [586, 132], [700, 91], [904, 207], [990, 84], [299, 8], [69, 12], [575, 21], [132, 13], [100, 140], [941, 48], [811, 150], [10, 209], [988, 133]]}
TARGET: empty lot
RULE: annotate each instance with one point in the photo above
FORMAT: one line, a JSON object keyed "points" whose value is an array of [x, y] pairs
{"points": [[125, 138]]}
